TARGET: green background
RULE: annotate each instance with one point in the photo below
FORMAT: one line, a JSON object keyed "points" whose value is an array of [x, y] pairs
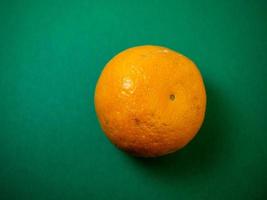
{"points": [[51, 55]]}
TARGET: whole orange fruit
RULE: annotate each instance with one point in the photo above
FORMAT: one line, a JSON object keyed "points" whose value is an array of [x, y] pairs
{"points": [[150, 100]]}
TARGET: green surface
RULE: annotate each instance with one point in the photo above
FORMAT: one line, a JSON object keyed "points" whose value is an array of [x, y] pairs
{"points": [[51, 54]]}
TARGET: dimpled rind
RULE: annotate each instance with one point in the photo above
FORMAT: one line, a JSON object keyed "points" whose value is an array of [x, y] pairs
{"points": [[150, 100]]}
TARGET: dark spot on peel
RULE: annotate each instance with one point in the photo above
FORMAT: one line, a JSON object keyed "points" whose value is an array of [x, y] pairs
{"points": [[172, 97], [136, 121]]}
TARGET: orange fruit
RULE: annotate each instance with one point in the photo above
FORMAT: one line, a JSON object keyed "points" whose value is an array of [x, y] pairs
{"points": [[150, 100]]}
